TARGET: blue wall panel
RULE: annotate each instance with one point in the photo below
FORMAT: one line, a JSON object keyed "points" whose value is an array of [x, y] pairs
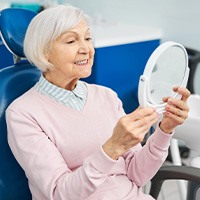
{"points": [[119, 67]]}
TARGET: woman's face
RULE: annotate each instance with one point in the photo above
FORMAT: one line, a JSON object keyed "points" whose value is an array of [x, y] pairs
{"points": [[72, 56]]}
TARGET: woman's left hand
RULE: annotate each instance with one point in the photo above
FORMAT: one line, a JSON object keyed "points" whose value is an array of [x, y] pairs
{"points": [[176, 111]]}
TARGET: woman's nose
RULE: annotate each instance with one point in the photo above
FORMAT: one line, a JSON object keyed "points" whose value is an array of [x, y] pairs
{"points": [[84, 47]]}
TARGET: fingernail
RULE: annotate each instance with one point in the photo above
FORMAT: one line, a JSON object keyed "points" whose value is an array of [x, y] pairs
{"points": [[167, 107], [170, 100]]}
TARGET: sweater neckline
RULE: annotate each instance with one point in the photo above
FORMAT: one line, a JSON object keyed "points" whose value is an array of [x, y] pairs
{"points": [[61, 106]]}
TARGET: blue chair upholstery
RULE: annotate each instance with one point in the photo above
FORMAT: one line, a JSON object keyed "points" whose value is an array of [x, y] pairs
{"points": [[14, 81], [6, 57], [13, 23]]}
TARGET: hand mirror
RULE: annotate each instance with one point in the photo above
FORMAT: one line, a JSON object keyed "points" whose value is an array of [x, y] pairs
{"points": [[166, 68]]}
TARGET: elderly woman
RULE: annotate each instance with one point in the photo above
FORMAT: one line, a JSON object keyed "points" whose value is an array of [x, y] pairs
{"points": [[73, 139]]}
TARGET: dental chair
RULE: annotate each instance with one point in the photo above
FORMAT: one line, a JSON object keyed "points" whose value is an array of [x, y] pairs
{"points": [[14, 81], [17, 79]]}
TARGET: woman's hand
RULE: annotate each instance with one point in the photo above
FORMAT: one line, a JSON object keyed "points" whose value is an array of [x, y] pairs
{"points": [[129, 131], [176, 111]]}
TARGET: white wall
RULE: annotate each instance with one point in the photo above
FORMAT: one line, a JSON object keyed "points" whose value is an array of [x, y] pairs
{"points": [[179, 19]]}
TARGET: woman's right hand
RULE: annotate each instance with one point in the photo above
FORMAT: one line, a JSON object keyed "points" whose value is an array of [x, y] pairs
{"points": [[129, 131]]}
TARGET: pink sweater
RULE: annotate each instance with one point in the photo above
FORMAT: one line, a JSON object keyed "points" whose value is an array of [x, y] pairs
{"points": [[60, 149]]}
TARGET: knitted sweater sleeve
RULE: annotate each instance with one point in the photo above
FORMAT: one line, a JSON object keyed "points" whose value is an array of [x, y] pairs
{"points": [[142, 163], [48, 174]]}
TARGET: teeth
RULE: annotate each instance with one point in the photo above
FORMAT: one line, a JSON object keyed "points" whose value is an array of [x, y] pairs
{"points": [[83, 62]]}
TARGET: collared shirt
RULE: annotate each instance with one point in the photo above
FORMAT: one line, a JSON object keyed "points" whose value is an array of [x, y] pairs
{"points": [[74, 99]]}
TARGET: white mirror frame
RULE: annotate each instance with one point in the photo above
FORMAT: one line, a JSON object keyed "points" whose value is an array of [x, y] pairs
{"points": [[144, 91]]}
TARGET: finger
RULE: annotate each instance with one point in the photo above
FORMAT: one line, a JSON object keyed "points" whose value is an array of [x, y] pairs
{"points": [[165, 99], [139, 128], [178, 103], [175, 89], [184, 92], [140, 113], [177, 111], [177, 119], [142, 130], [147, 121], [181, 90]]}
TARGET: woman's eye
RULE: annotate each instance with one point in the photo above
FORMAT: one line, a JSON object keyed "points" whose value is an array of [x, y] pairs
{"points": [[70, 42], [88, 38]]}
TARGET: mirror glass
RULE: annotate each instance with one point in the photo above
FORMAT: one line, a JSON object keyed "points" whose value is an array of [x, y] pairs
{"points": [[168, 72]]}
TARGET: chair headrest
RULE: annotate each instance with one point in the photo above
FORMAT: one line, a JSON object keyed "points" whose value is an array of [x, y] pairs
{"points": [[13, 26]]}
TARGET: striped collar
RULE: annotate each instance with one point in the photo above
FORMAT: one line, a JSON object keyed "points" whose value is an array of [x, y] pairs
{"points": [[59, 94]]}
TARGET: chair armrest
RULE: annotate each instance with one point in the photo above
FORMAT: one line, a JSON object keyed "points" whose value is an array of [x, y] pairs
{"points": [[173, 172]]}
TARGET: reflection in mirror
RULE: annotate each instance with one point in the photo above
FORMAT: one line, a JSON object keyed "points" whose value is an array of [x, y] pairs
{"points": [[167, 73]]}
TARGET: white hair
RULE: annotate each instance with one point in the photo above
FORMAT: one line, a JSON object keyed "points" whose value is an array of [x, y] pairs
{"points": [[45, 28]]}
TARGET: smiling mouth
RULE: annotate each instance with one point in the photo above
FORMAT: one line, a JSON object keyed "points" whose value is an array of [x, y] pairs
{"points": [[82, 62]]}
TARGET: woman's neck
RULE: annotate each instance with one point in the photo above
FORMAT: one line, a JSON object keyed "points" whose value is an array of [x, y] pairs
{"points": [[68, 85]]}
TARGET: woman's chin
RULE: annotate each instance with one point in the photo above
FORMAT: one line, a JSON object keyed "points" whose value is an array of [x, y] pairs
{"points": [[86, 73]]}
